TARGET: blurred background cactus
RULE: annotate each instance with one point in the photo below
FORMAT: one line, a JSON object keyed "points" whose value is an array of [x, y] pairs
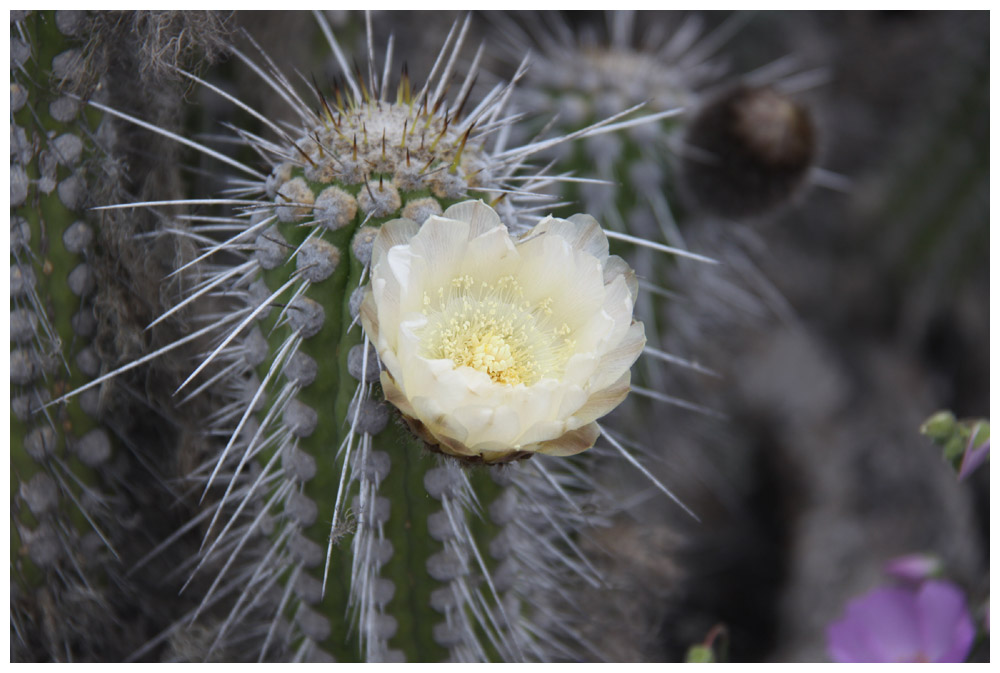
{"points": [[241, 518], [60, 504], [88, 476]]}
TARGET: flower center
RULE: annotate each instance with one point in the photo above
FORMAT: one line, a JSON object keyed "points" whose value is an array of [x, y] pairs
{"points": [[491, 328], [488, 351]]}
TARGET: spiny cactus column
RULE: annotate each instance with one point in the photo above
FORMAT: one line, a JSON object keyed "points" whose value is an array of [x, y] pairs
{"points": [[362, 164], [59, 506], [309, 442], [77, 280], [309, 455]]}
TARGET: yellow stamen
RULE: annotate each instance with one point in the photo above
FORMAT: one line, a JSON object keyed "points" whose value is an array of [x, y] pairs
{"points": [[490, 327]]}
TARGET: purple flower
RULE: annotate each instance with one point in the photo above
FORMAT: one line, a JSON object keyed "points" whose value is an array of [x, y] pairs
{"points": [[928, 622], [913, 567], [974, 455]]}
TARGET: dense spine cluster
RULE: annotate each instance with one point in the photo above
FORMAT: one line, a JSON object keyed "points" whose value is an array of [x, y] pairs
{"points": [[309, 452], [328, 530]]}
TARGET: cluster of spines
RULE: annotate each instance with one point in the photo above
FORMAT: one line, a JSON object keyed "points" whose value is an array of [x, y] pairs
{"points": [[276, 424], [286, 349]]}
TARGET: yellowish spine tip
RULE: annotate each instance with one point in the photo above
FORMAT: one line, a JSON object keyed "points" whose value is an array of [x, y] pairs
{"points": [[365, 95], [319, 144], [458, 155], [303, 153], [444, 130], [322, 100]]}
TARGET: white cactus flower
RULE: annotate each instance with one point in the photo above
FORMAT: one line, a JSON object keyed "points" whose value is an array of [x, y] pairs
{"points": [[496, 347]]}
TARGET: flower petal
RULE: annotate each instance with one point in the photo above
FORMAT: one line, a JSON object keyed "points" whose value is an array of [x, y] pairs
{"points": [[571, 281], [542, 431], [573, 442], [603, 401], [490, 428], [395, 272], [441, 243], [489, 255], [615, 267], [621, 358], [395, 396], [847, 642], [582, 232], [481, 218], [889, 618], [439, 421], [946, 629], [608, 326], [392, 233]]}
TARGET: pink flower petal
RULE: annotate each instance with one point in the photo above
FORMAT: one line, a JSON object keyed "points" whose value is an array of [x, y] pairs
{"points": [[884, 627], [847, 642], [913, 567], [973, 458], [946, 629]]}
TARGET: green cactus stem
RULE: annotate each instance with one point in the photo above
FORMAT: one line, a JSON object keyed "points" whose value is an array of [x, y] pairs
{"points": [[328, 530], [61, 509]]}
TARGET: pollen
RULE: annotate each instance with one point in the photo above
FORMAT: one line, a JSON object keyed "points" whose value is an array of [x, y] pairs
{"points": [[489, 326]]}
